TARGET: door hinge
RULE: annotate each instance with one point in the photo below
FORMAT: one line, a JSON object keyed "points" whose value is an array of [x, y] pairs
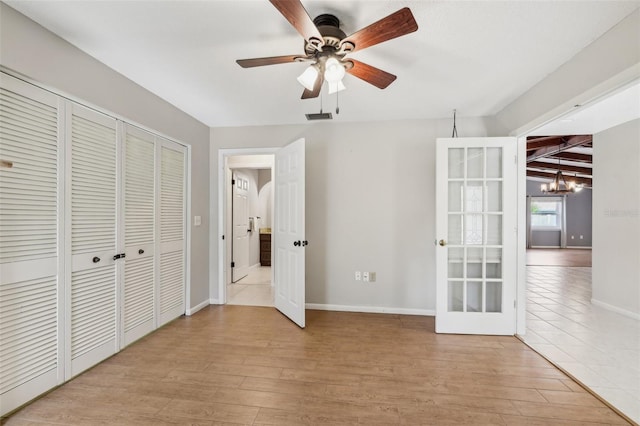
{"points": [[223, 237], [233, 264], [514, 304], [233, 182], [515, 159]]}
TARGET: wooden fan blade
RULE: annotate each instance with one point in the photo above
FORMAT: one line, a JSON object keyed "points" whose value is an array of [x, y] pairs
{"points": [[298, 17], [273, 60], [308, 94], [395, 25], [372, 75]]}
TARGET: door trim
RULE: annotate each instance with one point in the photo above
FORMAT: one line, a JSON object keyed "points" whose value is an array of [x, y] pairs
{"points": [[219, 295]]}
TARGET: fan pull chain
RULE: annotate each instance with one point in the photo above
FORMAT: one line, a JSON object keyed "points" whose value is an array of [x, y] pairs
{"points": [[454, 133]]}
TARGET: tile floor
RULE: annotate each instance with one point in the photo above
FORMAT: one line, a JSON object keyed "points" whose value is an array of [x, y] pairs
{"points": [[255, 289], [598, 347]]}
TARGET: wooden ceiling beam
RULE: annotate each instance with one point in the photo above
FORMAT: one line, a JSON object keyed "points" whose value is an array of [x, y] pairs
{"points": [[534, 144], [573, 156], [587, 182], [569, 142], [564, 167]]}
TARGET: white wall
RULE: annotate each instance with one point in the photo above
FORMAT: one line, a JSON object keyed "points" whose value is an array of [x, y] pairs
{"points": [[28, 49], [616, 217], [606, 64], [370, 205]]}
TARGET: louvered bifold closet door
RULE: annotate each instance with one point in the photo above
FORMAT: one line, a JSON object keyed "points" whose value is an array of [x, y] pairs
{"points": [[30, 358], [92, 192], [139, 234], [172, 231]]}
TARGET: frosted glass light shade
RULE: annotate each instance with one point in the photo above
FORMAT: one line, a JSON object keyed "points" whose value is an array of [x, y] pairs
{"points": [[333, 70], [335, 87], [308, 77]]}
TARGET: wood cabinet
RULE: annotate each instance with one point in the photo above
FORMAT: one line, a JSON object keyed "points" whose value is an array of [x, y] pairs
{"points": [[265, 249]]}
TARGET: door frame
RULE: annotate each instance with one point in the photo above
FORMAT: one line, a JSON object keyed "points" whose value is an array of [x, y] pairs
{"points": [[223, 189], [590, 96]]}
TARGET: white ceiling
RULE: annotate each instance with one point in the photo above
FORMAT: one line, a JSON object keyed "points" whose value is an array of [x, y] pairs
{"points": [[475, 57]]}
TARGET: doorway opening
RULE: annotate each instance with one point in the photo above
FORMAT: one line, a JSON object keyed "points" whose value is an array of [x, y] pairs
{"points": [[249, 219], [566, 321]]}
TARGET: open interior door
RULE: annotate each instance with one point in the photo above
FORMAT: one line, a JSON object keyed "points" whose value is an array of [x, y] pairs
{"points": [[476, 207], [289, 236]]}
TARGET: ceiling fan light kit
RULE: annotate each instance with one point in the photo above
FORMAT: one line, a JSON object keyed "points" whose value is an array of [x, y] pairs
{"points": [[326, 46]]}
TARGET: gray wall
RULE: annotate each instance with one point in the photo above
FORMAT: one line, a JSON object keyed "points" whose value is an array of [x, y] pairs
{"points": [[616, 218], [578, 219], [30, 50], [370, 206]]}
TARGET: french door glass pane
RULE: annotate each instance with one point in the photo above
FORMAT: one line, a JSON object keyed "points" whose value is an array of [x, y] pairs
{"points": [[494, 297], [455, 196], [494, 230], [454, 235], [475, 163], [473, 197], [494, 196], [473, 229], [455, 262], [474, 296], [456, 163], [494, 263], [474, 263], [494, 162], [456, 295]]}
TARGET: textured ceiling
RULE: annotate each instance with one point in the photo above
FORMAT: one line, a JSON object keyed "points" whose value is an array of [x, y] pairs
{"points": [[475, 57]]}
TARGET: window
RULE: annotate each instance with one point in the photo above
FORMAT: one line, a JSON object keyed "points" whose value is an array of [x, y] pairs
{"points": [[546, 212]]}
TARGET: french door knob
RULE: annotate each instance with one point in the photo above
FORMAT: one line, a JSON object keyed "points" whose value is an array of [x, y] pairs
{"points": [[297, 243], [305, 243], [442, 243]]}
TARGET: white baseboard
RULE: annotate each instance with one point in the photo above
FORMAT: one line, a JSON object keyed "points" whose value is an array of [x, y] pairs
{"points": [[254, 266], [580, 247], [193, 310], [214, 301], [616, 309], [371, 309], [545, 247]]}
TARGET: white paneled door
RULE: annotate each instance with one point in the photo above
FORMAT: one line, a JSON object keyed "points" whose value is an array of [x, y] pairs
{"points": [[289, 237], [92, 194], [139, 292], [172, 194], [240, 226], [476, 235], [30, 273]]}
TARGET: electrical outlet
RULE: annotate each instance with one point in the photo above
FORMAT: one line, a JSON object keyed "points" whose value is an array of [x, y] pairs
{"points": [[365, 276], [581, 237], [572, 237], [358, 275], [372, 276]]}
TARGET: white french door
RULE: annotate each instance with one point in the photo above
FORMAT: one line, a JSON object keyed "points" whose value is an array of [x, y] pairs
{"points": [[139, 292], [30, 243], [172, 221], [476, 229], [92, 206], [240, 227], [289, 236]]}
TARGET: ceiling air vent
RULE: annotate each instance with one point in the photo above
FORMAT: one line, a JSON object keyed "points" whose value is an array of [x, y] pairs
{"points": [[319, 116]]}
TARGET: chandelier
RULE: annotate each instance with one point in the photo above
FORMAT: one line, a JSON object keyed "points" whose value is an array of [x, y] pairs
{"points": [[560, 186]]}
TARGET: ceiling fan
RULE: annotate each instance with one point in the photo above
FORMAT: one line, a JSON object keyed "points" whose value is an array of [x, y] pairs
{"points": [[326, 47]]}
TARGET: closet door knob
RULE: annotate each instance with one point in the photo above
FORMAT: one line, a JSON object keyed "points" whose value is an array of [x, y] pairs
{"points": [[140, 251], [96, 259], [297, 243]]}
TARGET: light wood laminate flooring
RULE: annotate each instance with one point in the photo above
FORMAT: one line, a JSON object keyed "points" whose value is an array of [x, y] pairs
{"points": [[251, 365]]}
